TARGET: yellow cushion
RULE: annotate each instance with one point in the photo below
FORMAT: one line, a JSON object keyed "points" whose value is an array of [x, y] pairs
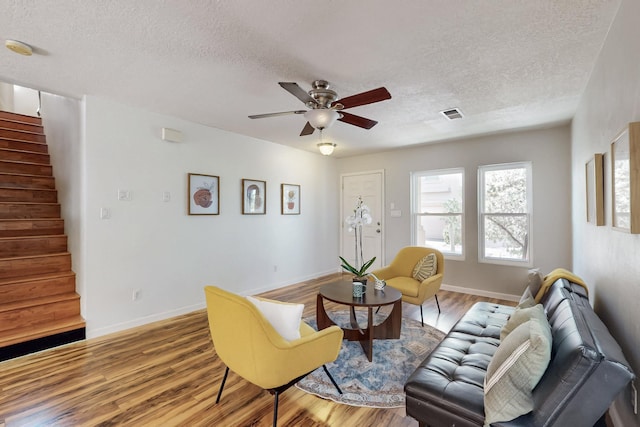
{"points": [[406, 285], [425, 268]]}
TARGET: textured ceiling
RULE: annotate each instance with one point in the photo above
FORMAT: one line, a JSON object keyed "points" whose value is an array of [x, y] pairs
{"points": [[506, 64]]}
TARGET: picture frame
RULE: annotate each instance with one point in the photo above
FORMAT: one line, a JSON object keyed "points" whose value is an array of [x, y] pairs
{"points": [[625, 172], [290, 199], [254, 197], [203, 194], [595, 189]]}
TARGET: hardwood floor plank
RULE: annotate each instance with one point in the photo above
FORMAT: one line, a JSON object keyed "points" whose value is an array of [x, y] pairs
{"points": [[168, 374]]}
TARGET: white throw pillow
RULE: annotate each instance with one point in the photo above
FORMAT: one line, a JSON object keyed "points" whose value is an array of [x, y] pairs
{"points": [[284, 317]]}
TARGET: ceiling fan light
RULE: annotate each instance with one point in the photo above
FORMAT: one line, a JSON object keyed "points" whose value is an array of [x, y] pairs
{"points": [[326, 148], [321, 118]]}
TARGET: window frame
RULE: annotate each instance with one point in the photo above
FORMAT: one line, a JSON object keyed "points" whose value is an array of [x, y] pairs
{"points": [[416, 214], [528, 167]]}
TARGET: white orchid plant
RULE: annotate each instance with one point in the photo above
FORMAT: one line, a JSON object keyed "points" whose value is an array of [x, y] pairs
{"points": [[361, 216]]}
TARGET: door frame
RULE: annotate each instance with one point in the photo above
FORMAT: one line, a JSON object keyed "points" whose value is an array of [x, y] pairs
{"points": [[383, 215]]}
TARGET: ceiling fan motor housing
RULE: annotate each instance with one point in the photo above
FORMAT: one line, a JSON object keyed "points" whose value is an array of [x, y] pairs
{"points": [[322, 94]]}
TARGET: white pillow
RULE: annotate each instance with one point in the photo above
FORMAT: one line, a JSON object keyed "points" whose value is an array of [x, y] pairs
{"points": [[284, 317]]}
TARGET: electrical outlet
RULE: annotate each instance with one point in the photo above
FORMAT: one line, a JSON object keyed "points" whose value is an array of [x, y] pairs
{"points": [[275, 268], [136, 295], [634, 397]]}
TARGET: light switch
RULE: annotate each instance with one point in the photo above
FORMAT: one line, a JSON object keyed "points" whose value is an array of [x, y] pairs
{"points": [[124, 195], [105, 213], [166, 196]]}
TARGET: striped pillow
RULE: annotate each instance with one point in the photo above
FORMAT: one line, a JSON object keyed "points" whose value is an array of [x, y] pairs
{"points": [[515, 369], [426, 267]]}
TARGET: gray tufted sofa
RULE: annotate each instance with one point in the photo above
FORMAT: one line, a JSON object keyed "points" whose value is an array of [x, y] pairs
{"points": [[586, 372]]}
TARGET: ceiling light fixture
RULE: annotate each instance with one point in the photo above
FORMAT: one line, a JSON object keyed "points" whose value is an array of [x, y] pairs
{"points": [[19, 47], [321, 118], [326, 148]]}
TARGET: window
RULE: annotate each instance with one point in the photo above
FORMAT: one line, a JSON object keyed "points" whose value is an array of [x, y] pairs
{"points": [[504, 213], [438, 211]]}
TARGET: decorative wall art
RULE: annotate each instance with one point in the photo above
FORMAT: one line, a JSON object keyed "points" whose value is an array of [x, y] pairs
{"points": [[625, 173], [290, 199], [254, 197], [204, 194], [595, 190]]}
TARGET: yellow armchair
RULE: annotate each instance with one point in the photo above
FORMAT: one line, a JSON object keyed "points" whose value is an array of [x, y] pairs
{"points": [[399, 275], [249, 345]]}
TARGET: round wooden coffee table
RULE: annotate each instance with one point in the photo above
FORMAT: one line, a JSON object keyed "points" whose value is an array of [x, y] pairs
{"points": [[342, 293]]}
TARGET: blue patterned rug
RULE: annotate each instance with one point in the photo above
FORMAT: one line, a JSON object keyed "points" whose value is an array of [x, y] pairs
{"points": [[377, 384]]}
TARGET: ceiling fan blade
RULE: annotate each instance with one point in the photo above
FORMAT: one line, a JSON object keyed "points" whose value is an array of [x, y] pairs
{"points": [[298, 92], [307, 129], [284, 113], [352, 119], [364, 98]]}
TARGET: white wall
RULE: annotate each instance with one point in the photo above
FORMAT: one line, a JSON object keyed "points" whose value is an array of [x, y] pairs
{"points": [[154, 246], [609, 260], [62, 121], [549, 151]]}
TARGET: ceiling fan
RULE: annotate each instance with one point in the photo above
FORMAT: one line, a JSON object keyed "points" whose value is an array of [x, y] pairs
{"points": [[325, 107]]}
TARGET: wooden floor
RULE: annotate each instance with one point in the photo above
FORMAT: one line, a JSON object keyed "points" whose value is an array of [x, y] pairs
{"points": [[167, 374]]}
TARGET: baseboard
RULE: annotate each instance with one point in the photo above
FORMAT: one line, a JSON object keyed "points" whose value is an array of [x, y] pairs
{"points": [[94, 333], [480, 292], [290, 282]]}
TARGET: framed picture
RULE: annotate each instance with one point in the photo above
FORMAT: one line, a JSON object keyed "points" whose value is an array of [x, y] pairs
{"points": [[595, 190], [290, 199], [254, 197], [625, 173], [204, 194]]}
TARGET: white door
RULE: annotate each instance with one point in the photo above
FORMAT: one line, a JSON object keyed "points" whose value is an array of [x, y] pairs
{"points": [[367, 185]]}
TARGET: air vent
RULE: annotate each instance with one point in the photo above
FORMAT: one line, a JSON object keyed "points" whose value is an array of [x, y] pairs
{"points": [[452, 114]]}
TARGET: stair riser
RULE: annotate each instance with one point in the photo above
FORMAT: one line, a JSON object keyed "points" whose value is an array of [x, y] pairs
{"points": [[17, 125], [23, 211], [17, 228], [6, 115], [18, 247], [14, 144], [8, 180], [37, 315], [21, 291], [31, 266], [22, 135], [27, 195], [24, 156], [25, 168]]}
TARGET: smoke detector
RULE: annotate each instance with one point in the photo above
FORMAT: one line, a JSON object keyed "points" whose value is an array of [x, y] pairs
{"points": [[19, 47], [452, 113]]}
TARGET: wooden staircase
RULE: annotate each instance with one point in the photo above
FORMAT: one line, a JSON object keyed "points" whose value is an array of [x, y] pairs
{"points": [[39, 306]]}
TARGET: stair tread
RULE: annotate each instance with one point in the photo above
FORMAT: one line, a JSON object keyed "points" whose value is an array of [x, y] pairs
{"points": [[28, 203], [27, 189], [26, 279], [28, 175], [22, 131], [35, 256], [26, 118], [28, 333], [41, 236], [23, 151], [37, 301], [22, 162], [22, 140]]}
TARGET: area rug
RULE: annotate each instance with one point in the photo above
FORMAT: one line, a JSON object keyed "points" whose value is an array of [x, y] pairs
{"points": [[377, 384]]}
